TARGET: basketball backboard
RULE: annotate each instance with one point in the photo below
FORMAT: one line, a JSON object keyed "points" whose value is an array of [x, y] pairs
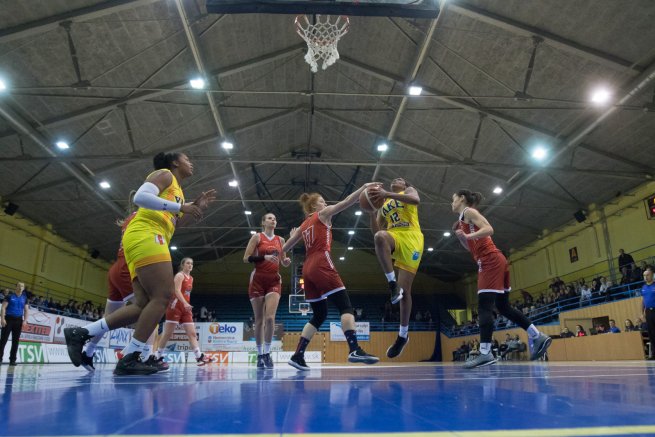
{"points": [[378, 8]]}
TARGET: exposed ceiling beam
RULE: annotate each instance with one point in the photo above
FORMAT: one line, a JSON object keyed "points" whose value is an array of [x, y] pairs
{"points": [[52, 22], [24, 128], [494, 115], [636, 86], [549, 38], [629, 175], [183, 147], [162, 90], [200, 65]]}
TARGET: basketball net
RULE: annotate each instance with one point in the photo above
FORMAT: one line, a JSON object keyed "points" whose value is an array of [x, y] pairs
{"points": [[322, 38]]}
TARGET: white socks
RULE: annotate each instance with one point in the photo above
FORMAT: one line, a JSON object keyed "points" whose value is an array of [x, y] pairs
{"points": [[98, 327], [402, 332], [267, 348], [134, 346], [197, 352], [391, 276], [485, 348], [259, 349]]}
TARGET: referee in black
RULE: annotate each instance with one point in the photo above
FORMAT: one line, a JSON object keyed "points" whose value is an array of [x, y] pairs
{"points": [[13, 314], [648, 304]]}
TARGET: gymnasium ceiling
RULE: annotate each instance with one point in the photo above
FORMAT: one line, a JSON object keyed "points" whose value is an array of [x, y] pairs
{"points": [[498, 78]]}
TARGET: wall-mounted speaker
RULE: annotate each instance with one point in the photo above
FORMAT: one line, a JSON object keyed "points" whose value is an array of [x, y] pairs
{"points": [[580, 216], [11, 208]]}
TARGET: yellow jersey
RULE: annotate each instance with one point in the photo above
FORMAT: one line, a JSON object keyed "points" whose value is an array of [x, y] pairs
{"points": [[162, 220], [400, 216]]}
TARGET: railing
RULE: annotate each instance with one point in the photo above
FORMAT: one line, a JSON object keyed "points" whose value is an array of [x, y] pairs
{"points": [[549, 314], [298, 324]]}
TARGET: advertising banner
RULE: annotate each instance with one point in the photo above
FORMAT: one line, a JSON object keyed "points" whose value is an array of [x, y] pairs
{"points": [[40, 327], [363, 331], [310, 356], [119, 338], [221, 336]]}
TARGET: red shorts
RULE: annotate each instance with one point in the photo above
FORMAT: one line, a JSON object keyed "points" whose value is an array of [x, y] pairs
{"points": [[263, 283], [118, 279], [493, 273], [176, 313], [321, 278]]}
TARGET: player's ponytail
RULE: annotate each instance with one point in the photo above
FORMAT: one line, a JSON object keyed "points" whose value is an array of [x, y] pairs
{"points": [[308, 202], [165, 160], [472, 198]]}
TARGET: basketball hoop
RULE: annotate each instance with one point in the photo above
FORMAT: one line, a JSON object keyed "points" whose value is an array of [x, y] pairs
{"points": [[304, 308], [322, 38]]}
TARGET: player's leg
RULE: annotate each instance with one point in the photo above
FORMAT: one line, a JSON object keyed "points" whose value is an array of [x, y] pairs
{"points": [[405, 280], [257, 304], [319, 314], [271, 302], [384, 247], [341, 300]]}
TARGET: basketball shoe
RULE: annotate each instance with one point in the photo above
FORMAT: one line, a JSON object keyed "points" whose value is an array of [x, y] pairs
{"points": [[397, 348], [396, 293], [298, 361], [75, 339], [359, 356], [480, 360], [131, 364]]}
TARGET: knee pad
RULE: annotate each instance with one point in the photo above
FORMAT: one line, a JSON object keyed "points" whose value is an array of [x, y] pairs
{"points": [[319, 313], [342, 301]]}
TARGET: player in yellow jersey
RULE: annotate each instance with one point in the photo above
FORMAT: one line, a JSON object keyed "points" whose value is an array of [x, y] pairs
{"points": [[145, 242], [398, 237]]}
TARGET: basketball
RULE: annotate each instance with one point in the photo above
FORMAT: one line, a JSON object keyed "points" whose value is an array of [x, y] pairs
{"points": [[367, 204]]}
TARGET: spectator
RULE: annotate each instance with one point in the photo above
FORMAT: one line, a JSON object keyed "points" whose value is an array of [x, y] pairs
{"points": [[579, 331], [625, 260], [13, 315], [648, 304], [203, 313], [629, 326], [585, 295], [605, 285], [600, 329], [566, 333], [613, 329], [640, 325], [636, 274], [4, 294]]}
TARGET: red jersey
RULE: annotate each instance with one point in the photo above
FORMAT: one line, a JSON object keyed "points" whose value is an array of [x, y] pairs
{"points": [[187, 285], [121, 253], [479, 247], [317, 236], [268, 246]]}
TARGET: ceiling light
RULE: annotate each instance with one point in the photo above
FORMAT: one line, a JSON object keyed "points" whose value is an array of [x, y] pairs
{"points": [[351, 232], [197, 83], [252, 232], [233, 183], [173, 247], [498, 190], [446, 234], [3, 85], [383, 147], [358, 213], [227, 145], [600, 96], [104, 185], [62, 145], [539, 153], [430, 249], [342, 258], [247, 212], [350, 248], [415, 90]]}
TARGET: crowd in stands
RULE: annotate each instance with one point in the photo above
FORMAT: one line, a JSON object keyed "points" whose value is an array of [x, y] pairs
{"points": [[560, 296], [81, 310], [511, 348]]}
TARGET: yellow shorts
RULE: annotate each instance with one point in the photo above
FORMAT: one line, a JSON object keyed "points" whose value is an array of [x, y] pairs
{"points": [[409, 249], [144, 245]]}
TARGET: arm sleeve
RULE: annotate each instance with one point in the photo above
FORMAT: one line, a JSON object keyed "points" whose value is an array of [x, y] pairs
{"points": [[147, 196]]}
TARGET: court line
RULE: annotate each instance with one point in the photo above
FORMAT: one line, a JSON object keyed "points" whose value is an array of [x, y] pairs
{"points": [[542, 432]]}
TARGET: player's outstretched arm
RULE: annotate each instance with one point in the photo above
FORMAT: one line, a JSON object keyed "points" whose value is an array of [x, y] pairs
{"points": [[294, 237], [326, 213]]}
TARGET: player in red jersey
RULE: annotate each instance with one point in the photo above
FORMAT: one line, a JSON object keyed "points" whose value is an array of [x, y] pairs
{"points": [[179, 312], [265, 251], [322, 281], [474, 232]]}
